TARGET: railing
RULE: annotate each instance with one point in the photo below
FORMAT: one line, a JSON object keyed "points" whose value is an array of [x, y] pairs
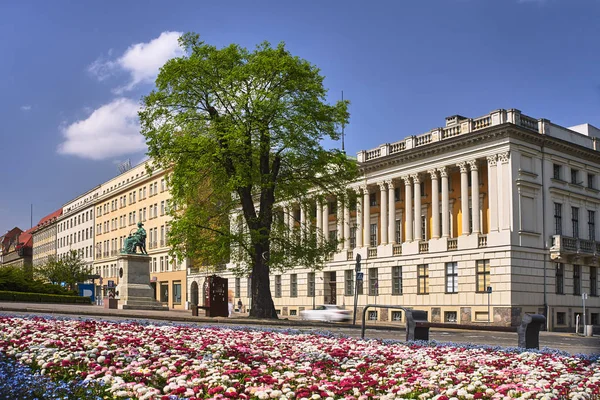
{"points": [[372, 252], [453, 244], [423, 246], [569, 243], [450, 132], [482, 241], [349, 255], [397, 250], [113, 252], [423, 139], [483, 122], [587, 246], [529, 123], [371, 154], [105, 254], [454, 127], [397, 147]]}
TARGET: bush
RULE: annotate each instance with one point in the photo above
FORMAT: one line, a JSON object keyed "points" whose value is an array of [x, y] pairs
{"points": [[18, 280], [42, 298]]}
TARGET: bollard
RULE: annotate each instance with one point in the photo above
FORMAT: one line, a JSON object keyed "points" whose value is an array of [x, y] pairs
{"points": [[194, 308], [529, 330], [414, 318]]}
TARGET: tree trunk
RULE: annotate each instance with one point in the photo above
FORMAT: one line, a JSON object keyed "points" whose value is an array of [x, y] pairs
{"points": [[262, 303]]}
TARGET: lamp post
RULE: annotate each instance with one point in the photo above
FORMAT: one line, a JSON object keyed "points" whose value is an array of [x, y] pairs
{"points": [[357, 270]]}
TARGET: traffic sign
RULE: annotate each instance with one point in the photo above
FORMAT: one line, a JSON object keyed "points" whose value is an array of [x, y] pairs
{"points": [[489, 289], [359, 276]]}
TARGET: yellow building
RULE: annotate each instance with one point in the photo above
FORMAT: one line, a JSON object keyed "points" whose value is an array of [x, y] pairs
{"points": [[44, 239], [132, 197]]}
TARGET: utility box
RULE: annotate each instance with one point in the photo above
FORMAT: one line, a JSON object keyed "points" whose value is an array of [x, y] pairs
{"points": [[215, 296]]}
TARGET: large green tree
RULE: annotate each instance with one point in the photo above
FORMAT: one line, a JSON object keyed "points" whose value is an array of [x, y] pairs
{"points": [[67, 271], [242, 131]]}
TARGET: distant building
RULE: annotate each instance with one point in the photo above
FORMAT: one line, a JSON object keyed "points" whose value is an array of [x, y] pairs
{"points": [[44, 239], [476, 222], [18, 250], [7, 240]]}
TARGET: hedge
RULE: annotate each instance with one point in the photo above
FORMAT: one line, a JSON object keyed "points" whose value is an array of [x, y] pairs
{"points": [[42, 298]]}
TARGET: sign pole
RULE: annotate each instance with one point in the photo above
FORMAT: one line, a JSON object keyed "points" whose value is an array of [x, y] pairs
{"points": [[583, 297], [357, 270], [489, 292]]}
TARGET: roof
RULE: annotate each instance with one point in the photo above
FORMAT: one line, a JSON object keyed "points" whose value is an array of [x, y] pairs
{"points": [[48, 219], [25, 239]]}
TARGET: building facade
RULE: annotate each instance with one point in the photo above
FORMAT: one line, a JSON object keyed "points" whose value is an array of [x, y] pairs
{"points": [[75, 227], [18, 250], [477, 222], [44, 239], [132, 197]]}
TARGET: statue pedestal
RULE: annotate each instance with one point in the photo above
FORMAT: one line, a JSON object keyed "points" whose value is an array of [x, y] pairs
{"points": [[135, 292]]}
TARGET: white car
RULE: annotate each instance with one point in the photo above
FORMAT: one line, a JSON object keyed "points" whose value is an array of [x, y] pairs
{"points": [[328, 312]]}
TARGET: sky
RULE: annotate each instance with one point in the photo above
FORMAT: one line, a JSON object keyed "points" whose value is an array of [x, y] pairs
{"points": [[72, 73]]}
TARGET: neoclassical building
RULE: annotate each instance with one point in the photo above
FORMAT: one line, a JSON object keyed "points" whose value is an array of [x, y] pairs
{"points": [[131, 197], [476, 222], [44, 238]]}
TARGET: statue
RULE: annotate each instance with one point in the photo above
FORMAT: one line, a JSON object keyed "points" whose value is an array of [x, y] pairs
{"points": [[135, 241]]}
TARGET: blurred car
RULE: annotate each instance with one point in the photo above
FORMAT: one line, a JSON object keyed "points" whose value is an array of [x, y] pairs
{"points": [[327, 312]]}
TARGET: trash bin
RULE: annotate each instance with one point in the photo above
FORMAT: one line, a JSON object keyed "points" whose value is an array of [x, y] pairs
{"points": [[589, 329], [417, 327]]}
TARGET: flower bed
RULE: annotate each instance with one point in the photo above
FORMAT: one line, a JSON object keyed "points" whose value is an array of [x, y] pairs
{"points": [[123, 360]]}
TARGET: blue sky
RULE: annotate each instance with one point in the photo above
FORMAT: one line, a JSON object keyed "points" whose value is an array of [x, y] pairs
{"points": [[71, 73]]}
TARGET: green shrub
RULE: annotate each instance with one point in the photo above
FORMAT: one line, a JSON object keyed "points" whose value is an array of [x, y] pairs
{"points": [[18, 280], [42, 298]]}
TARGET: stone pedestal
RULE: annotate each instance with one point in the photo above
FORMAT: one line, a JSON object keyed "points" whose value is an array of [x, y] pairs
{"points": [[135, 292]]}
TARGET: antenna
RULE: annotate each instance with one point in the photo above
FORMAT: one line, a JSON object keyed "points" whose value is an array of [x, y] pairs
{"points": [[31, 216], [343, 126]]}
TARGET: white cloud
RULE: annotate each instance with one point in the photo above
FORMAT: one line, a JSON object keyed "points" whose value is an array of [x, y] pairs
{"points": [[111, 130], [141, 61], [26, 107]]}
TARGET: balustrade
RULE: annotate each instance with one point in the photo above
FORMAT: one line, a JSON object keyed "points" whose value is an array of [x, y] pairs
{"points": [[397, 250], [482, 241], [423, 246], [452, 244], [372, 252]]}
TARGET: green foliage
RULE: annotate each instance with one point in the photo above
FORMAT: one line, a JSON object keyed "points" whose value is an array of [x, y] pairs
{"points": [[71, 298], [17, 280], [248, 123], [68, 271]]}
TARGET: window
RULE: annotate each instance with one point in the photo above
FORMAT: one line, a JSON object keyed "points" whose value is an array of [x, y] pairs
{"points": [[423, 279], [372, 315], [162, 207], [162, 264], [164, 292], [177, 292], [576, 279], [561, 318], [396, 194], [294, 285], [373, 236], [397, 280], [333, 235], [592, 225], [574, 174], [424, 227], [373, 282], [594, 319], [154, 264], [277, 285], [483, 275], [593, 281], [396, 315], [557, 219], [353, 237], [398, 231], [556, 171], [590, 181], [372, 199], [450, 316], [162, 185], [575, 221], [349, 282], [452, 277], [311, 284]]}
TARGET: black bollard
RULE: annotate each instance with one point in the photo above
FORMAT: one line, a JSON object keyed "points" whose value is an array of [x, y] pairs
{"points": [[529, 330]]}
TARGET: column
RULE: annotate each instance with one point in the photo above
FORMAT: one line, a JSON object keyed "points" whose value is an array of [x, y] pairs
{"points": [[417, 211], [359, 220], [408, 208], [475, 195], [366, 217], [302, 223], [464, 197], [435, 204], [493, 192], [504, 172], [391, 212], [339, 216], [383, 214], [445, 203], [319, 217], [290, 214], [347, 223], [325, 219]]}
